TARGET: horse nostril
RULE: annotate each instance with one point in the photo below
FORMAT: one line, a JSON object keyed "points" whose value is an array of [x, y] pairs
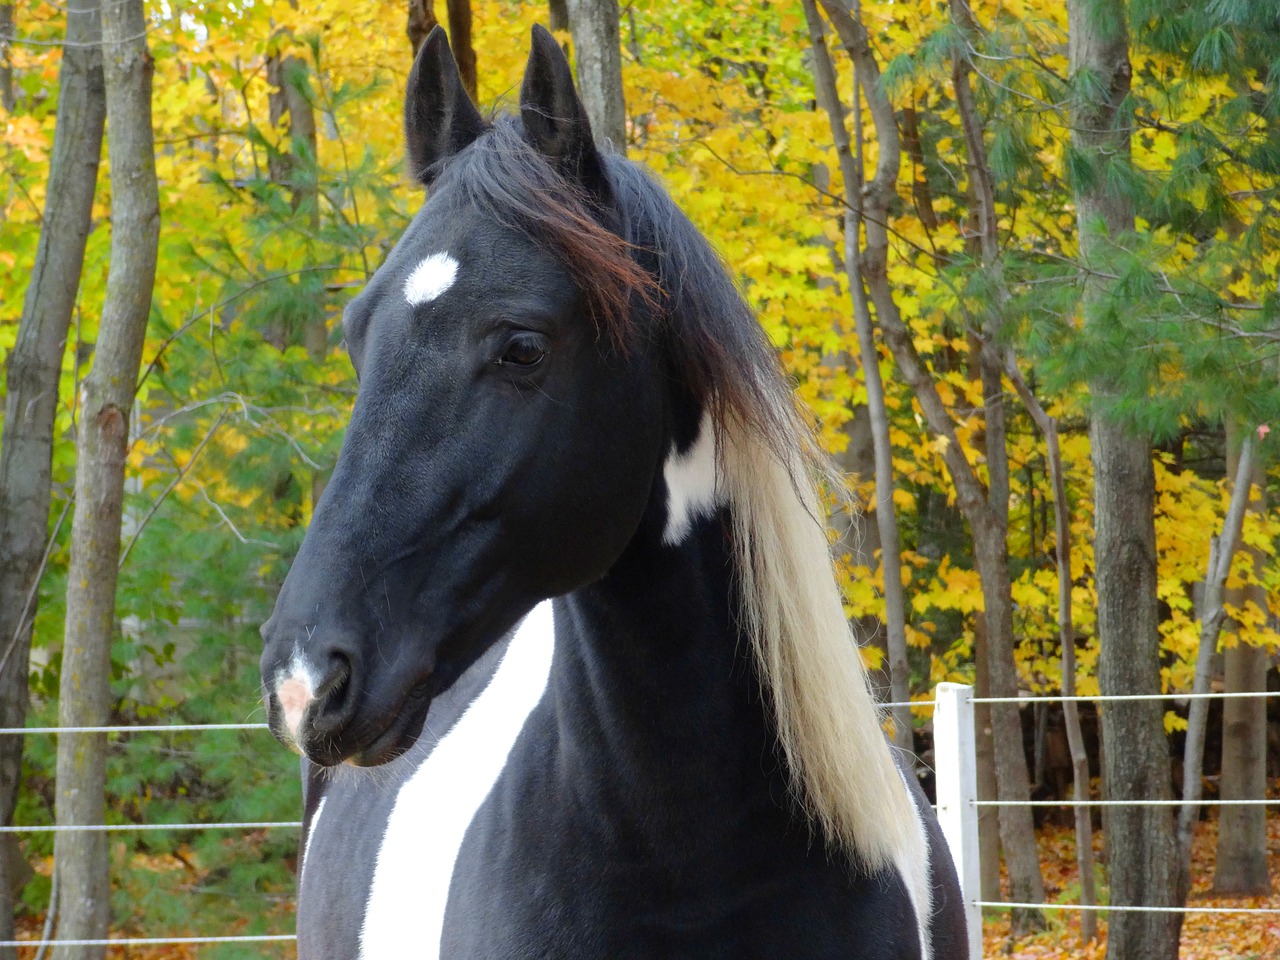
{"points": [[335, 697]]}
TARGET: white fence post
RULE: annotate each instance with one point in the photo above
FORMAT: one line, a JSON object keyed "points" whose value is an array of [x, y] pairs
{"points": [[956, 770]]}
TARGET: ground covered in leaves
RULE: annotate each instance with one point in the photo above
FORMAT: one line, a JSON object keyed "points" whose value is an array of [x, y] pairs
{"points": [[1205, 936]]}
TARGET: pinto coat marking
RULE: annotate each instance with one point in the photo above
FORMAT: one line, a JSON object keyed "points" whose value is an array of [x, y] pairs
{"points": [[694, 768]]}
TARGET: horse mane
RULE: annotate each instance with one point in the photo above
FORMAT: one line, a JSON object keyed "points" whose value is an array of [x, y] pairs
{"points": [[641, 255]]}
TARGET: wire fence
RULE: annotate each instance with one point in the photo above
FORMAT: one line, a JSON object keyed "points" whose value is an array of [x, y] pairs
{"points": [[955, 761], [958, 804], [245, 825]]}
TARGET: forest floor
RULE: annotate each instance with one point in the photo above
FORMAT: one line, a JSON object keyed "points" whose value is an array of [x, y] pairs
{"points": [[1205, 936]]}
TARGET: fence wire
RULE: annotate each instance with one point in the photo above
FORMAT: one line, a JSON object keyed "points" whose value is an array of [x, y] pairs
{"points": [[297, 824]]}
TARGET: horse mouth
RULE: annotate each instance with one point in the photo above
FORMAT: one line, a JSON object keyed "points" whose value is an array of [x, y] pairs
{"points": [[401, 731]]}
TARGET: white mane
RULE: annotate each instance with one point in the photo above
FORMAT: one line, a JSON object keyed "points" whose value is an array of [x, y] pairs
{"points": [[827, 719]]}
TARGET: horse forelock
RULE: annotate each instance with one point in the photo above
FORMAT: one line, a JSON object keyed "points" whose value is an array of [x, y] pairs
{"points": [[513, 184], [644, 269]]}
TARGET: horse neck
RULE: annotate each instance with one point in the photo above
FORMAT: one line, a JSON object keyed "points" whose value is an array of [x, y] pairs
{"points": [[655, 686]]}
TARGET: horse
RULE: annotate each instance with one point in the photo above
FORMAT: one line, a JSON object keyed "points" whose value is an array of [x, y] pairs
{"points": [[562, 648]]}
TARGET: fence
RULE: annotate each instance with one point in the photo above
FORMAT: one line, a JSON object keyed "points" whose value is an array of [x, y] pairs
{"points": [[44, 941], [956, 777]]}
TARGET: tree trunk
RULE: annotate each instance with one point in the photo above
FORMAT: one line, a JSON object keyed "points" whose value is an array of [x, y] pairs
{"points": [[6, 65], [985, 760], [1142, 848], [298, 170], [34, 369], [1067, 637], [422, 20], [854, 534], [460, 42], [994, 361], [558, 15], [1222, 551], [851, 165], [1016, 828], [597, 50], [1241, 862], [101, 448]]}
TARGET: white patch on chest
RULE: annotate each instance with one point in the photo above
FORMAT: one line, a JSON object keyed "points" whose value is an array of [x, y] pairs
{"points": [[405, 913], [913, 867], [692, 483], [432, 277]]}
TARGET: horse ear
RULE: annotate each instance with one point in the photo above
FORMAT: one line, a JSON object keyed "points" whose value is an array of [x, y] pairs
{"points": [[554, 117], [439, 117]]}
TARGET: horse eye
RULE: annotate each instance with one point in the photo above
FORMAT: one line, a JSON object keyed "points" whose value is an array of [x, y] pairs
{"points": [[525, 350]]}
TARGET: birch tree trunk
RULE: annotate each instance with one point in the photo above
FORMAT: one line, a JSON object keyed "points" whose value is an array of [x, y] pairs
{"points": [[1142, 848], [996, 360], [1222, 551], [101, 448], [598, 53], [1240, 867], [990, 551], [885, 513], [34, 369]]}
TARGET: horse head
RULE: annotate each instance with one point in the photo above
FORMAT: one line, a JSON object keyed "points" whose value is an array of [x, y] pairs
{"points": [[508, 428]]}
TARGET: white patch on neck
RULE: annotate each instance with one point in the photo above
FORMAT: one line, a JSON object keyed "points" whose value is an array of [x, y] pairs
{"points": [[913, 867], [432, 277], [405, 913], [693, 488]]}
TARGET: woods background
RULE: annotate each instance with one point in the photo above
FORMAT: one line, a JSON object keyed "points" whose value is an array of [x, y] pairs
{"points": [[1021, 262]]}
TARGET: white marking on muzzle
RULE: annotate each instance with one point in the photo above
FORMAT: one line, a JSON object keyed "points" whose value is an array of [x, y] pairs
{"points": [[295, 689], [692, 483], [432, 277]]}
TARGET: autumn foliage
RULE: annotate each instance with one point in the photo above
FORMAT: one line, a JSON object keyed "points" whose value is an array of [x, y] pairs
{"points": [[245, 385]]}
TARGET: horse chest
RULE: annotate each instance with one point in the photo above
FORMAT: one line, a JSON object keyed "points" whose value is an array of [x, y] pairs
{"points": [[403, 874]]}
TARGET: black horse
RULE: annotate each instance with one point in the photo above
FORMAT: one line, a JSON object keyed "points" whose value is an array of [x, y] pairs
{"points": [[563, 395]]}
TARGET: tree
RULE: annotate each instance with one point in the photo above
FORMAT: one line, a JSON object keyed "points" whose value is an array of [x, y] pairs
{"points": [[598, 54], [6, 68], [996, 360], [1212, 614], [1240, 866], [877, 415], [101, 447], [1142, 850], [981, 505], [33, 372], [422, 20], [558, 15]]}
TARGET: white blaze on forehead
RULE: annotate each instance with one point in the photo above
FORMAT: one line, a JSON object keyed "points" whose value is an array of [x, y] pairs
{"points": [[437, 804], [692, 483], [295, 689], [432, 277]]}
